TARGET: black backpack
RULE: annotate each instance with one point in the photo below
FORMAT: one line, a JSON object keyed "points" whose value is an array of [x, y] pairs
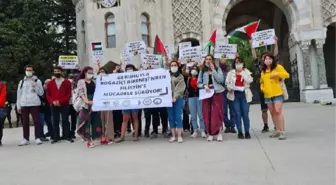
{"points": [[41, 97]]}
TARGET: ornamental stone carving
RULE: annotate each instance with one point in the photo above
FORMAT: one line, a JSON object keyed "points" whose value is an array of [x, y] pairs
{"points": [[321, 62], [306, 62], [149, 1], [187, 17], [328, 10]]}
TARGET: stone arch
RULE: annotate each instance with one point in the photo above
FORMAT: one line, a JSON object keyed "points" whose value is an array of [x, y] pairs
{"points": [[187, 35], [289, 8]]}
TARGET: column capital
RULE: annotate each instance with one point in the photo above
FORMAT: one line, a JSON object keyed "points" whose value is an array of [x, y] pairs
{"points": [[304, 44], [319, 43]]}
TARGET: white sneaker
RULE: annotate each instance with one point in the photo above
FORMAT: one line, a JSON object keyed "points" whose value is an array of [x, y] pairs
{"points": [[180, 140], [220, 137], [172, 139], [38, 141], [203, 134], [194, 135], [210, 138], [24, 142]]}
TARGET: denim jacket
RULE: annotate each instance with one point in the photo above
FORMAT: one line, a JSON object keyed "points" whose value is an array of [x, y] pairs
{"points": [[217, 79]]}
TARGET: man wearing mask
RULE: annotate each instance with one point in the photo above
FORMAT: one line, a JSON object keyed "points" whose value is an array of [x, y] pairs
{"points": [[58, 96], [28, 102]]}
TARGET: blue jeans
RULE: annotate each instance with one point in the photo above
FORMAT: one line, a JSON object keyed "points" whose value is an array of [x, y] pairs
{"points": [[241, 108], [175, 114], [195, 108], [228, 106]]}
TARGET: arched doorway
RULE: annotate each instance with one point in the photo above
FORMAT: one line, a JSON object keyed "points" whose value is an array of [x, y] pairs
{"points": [[194, 42], [329, 49], [270, 16]]}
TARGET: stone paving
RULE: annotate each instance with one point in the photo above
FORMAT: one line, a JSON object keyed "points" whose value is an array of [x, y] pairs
{"points": [[307, 157]]}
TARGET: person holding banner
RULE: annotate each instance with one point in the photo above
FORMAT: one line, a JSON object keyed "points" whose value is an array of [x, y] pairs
{"points": [[270, 84], [106, 118], [174, 113], [130, 114], [238, 84], [211, 77], [89, 125]]}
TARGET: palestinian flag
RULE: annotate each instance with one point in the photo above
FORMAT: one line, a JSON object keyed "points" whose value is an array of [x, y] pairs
{"points": [[96, 46], [159, 49], [212, 43], [244, 32]]}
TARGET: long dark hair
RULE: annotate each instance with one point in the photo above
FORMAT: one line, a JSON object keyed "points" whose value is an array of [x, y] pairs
{"points": [[83, 72], [273, 65], [203, 67]]}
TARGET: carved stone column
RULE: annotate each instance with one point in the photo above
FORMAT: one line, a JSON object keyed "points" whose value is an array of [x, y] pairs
{"points": [[306, 62], [321, 63]]}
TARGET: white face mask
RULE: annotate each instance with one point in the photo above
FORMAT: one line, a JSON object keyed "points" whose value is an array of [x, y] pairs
{"points": [[174, 69], [194, 72], [29, 73], [239, 66], [89, 76]]}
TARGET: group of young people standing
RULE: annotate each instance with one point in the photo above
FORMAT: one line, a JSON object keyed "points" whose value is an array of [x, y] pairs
{"points": [[73, 97]]}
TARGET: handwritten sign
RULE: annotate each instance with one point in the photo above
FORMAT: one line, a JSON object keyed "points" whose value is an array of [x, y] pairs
{"points": [[136, 48], [150, 61], [97, 51], [263, 38], [227, 51], [183, 45], [68, 62], [170, 51], [134, 90], [191, 55]]}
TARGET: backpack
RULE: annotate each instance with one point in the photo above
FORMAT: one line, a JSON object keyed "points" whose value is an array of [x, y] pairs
{"points": [[40, 97], [77, 101]]}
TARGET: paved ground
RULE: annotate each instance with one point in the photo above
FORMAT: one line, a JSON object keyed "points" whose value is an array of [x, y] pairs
{"points": [[306, 158]]}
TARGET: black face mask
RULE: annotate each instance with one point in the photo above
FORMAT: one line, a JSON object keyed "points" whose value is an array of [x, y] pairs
{"points": [[57, 75]]}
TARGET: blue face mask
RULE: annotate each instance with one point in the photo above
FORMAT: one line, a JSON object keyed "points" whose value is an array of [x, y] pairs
{"points": [[207, 65]]}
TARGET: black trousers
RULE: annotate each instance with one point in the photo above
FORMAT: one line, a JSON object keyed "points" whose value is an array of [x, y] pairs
{"points": [[2, 122], [117, 120], [185, 120], [73, 118], [153, 116], [64, 112]]}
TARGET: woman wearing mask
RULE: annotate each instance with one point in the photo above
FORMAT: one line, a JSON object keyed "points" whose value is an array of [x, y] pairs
{"points": [[174, 113], [195, 105], [130, 114], [270, 84], [106, 118], [89, 125], [211, 77], [238, 84]]}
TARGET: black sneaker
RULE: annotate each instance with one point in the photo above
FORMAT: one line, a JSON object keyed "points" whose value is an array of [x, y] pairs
{"points": [[73, 137], [227, 130], [69, 140], [146, 135], [154, 136], [247, 135], [43, 139], [240, 135], [55, 141], [233, 130], [265, 129]]}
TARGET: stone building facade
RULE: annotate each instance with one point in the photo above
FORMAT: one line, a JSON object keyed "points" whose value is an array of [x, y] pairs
{"points": [[301, 25]]}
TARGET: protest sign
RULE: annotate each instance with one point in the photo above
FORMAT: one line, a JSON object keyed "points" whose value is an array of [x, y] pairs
{"points": [[134, 90], [227, 51], [263, 38], [183, 45], [136, 48], [150, 61], [68, 62], [191, 55], [170, 51], [97, 51]]}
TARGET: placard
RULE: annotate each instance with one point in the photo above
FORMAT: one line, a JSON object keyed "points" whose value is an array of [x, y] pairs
{"points": [[136, 48], [170, 51], [263, 38], [183, 45], [97, 51], [68, 62], [228, 51], [191, 55], [150, 61], [135, 90]]}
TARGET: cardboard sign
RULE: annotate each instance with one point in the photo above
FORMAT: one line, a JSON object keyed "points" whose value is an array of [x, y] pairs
{"points": [[263, 38], [68, 62], [97, 51], [150, 61], [191, 55], [136, 48], [227, 51]]}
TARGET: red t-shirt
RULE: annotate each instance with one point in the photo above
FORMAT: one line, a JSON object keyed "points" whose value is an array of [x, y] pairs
{"points": [[239, 81], [193, 83]]}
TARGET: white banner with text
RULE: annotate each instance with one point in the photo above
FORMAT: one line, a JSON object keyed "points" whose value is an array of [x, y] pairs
{"points": [[135, 90]]}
